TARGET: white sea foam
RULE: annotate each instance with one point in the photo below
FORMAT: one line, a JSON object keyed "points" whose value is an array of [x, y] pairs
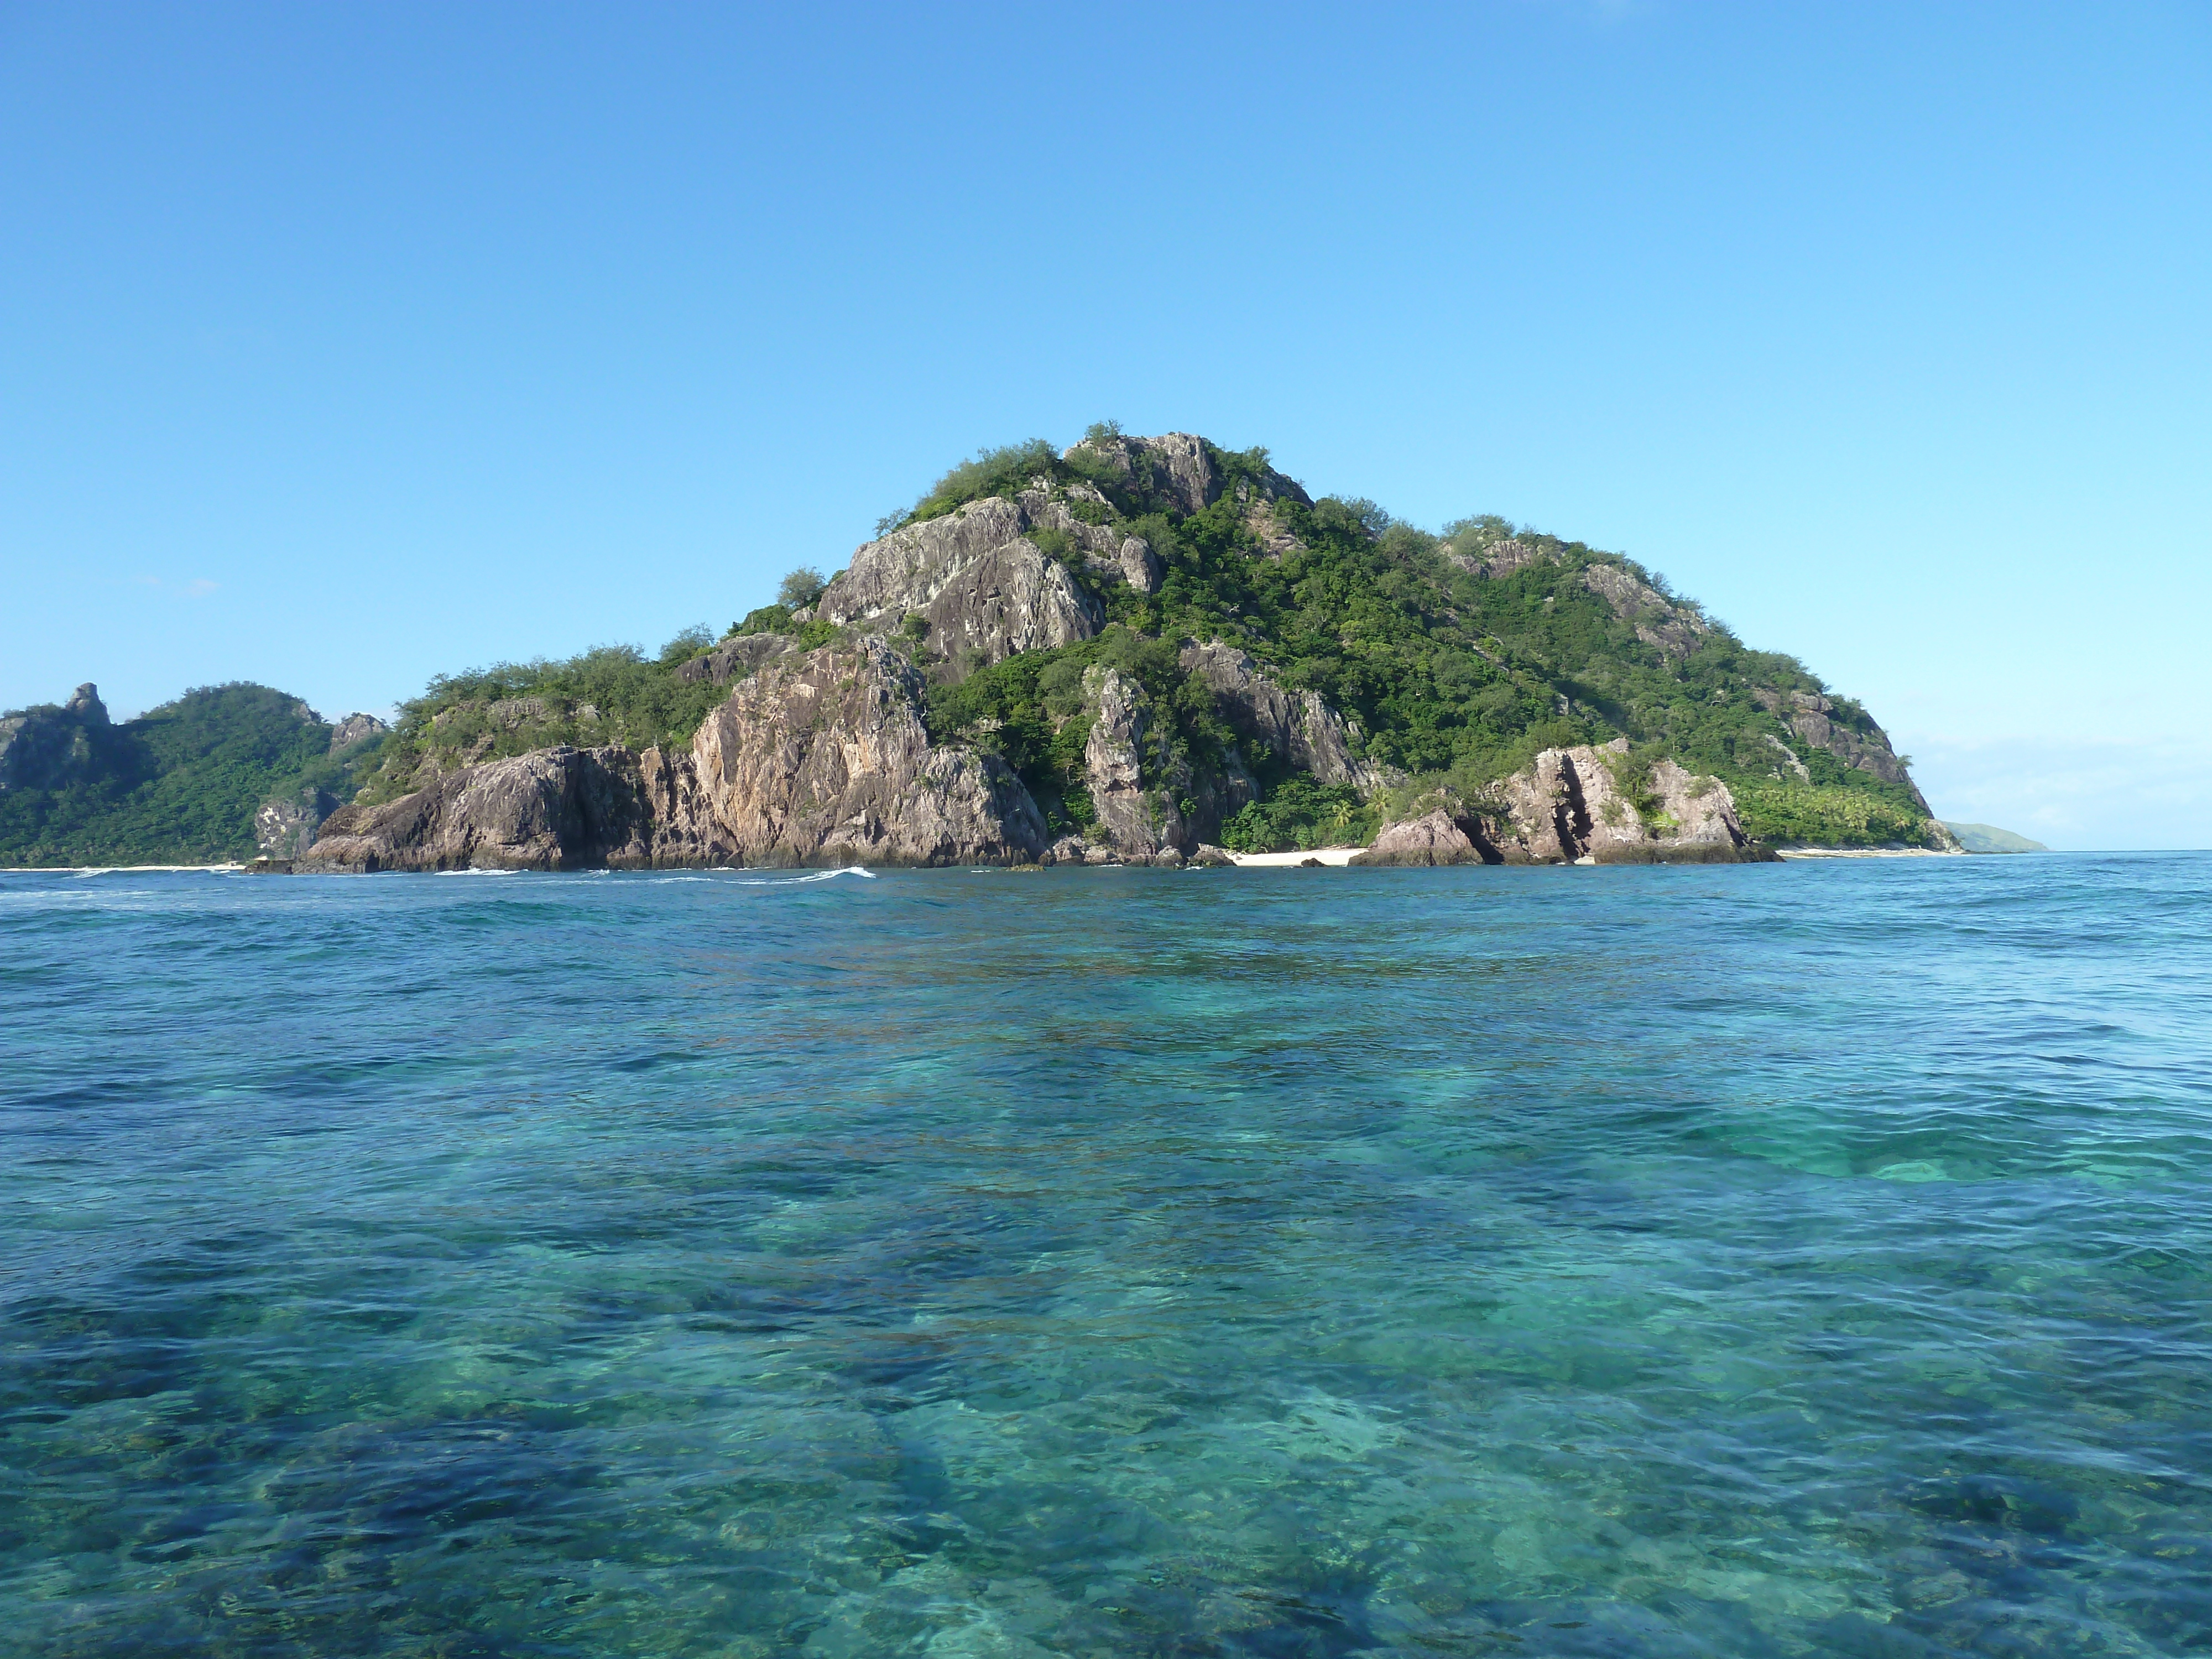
{"points": [[133, 870]]}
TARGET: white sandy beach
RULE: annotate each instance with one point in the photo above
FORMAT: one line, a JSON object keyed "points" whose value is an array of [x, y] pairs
{"points": [[1329, 855]]}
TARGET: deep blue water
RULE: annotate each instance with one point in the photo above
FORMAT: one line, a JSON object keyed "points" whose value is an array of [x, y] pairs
{"points": [[1756, 1261]]}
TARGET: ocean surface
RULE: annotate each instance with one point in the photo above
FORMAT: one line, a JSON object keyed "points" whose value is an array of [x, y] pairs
{"points": [[1811, 1259]]}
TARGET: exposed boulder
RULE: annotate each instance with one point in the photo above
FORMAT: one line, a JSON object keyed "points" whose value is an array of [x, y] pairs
{"points": [[84, 704], [1297, 725], [553, 809], [1074, 849], [1434, 838], [978, 585], [356, 728], [823, 760]]}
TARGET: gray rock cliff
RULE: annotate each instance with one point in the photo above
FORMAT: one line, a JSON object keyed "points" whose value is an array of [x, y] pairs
{"points": [[1297, 725], [554, 809], [979, 585], [824, 759], [1865, 747]]}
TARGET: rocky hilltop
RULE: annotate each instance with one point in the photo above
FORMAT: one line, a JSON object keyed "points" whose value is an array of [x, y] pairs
{"points": [[1144, 650]]}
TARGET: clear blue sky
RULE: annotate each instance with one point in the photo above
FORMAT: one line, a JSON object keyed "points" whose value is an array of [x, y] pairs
{"points": [[342, 345]]}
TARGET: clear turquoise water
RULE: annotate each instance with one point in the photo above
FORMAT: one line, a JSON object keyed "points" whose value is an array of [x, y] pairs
{"points": [[1798, 1259]]}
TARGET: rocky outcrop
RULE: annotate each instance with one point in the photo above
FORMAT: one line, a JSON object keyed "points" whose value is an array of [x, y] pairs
{"points": [[47, 747], [356, 728], [1159, 812], [983, 592], [1174, 471], [1298, 726], [554, 809], [1673, 630], [1110, 555], [1585, 802], [1580, 805], [1435, 837], [1862, 746], [1140, 824], [824, 759], [735, 659], [1495, 559], [284, 828]]}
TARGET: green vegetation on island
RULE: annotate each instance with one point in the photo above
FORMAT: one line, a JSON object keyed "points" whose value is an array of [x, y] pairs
{"points": [[1457, 656], [181, 784], [1454, 656]]}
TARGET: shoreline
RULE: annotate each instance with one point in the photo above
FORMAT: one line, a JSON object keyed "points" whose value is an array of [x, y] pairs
{"points": [[1789, 853]]}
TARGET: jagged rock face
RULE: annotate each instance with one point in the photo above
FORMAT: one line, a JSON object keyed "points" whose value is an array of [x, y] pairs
{"points": [[678, 828], [353, 729], [1166, 822], [554, 809], [1113, 768], [1673, 630], [1498, 560], [980, 586], [1300, 726], [823, 760], [85, 704], [285, 829], [733, 660], [1811, 717], [1109, 555], [1177, 470]]}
